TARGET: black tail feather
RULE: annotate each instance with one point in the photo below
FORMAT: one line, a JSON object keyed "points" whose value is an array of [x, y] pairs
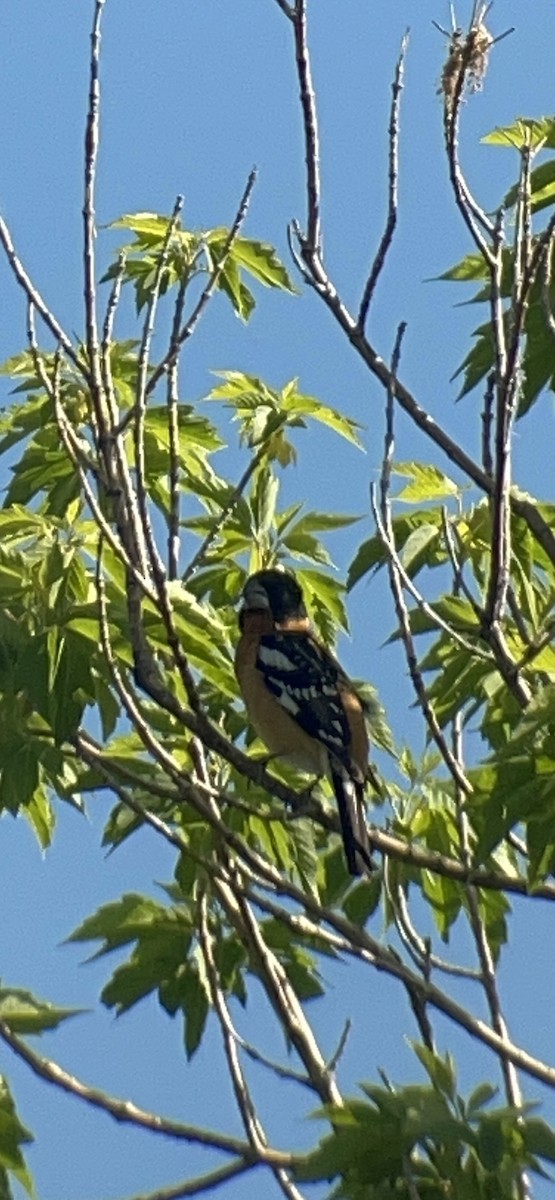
{"points": [[350, 804]]}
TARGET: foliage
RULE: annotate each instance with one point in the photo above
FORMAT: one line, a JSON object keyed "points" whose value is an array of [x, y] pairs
{"points": [[116, 673]]}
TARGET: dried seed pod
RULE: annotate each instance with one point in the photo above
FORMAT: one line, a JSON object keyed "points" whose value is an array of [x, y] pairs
{"points": [[478, 45], [453, 67], [467, 58]]}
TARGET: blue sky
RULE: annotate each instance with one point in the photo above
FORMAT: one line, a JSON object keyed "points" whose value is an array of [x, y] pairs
{"points": [[194, 93]]}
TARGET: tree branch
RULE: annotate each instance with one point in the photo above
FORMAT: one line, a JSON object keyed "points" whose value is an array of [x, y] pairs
{"points": [[392, 196]]}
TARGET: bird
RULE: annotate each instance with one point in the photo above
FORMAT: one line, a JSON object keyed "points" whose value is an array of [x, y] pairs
{"points": [[301, 702]]}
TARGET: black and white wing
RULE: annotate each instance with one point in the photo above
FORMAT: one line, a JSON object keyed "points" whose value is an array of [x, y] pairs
{"points": [[304, 680]]}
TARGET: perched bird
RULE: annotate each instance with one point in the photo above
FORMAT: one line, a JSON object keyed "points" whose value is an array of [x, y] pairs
{"points": [[301, 702]]}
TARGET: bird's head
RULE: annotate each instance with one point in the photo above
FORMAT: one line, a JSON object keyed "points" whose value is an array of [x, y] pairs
{"points": [[274, 592]]}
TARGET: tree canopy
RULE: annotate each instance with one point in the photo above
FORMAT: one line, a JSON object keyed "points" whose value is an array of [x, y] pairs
{"points": [[123, 551]]}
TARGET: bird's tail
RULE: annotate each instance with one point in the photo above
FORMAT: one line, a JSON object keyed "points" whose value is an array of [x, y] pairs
{"points": [[350, 803]]}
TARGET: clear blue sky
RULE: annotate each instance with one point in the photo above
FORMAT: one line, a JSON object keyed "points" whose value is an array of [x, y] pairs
{"points": [[194, 93]]}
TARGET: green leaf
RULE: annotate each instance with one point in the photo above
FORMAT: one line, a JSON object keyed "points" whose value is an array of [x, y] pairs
{"points": [[417, 538], [483, 1094], [471, 268], [491, 1143], [444, 898], [440, 1070], [533, 132], [297, 404], [41, 816], [20, 772], [260, 260], [195, 1005], [427, 482], [23, 1013], [13, 1135], [150, 228], [324, 599], [236, 290], [362, 900], [542, 188], [539, 1138], [121, 921]]}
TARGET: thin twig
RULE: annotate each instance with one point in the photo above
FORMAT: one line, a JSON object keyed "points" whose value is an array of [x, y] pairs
{"points": [[286, 8], [107, 339], [393, 556], [382, 517], [110, 444], [487, 421], [251, 1124], [36, 301], [226, 511], [124, 1110], [485, 957], [517, 615], [282, 997], [201, 1184], [420, 946], [508, 667], [81, 460], [393, 177], [213, 280], [336, 1056], [474, 217], [141, 394], [89, 223], [411, 655], [124, 692], [313, 238], [507, 368], [546, 273], [173, 433]]}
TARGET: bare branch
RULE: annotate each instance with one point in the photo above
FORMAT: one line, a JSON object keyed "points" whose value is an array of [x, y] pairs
{"points": [[509, 669], [508, 370], [141, 396], [251, 1122], [282, 995], [36, 301], [421, 949], [200, 1184], [386, 533], [173, 431], [546, 273], [467, 58], [393, 175], [336, 1056], [286, 8], [485, 958], [89, 215], [226, 511], [107, 337], [125, 1111], [253, 1129], [487, 421], [208, 291], [313, 237]]}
